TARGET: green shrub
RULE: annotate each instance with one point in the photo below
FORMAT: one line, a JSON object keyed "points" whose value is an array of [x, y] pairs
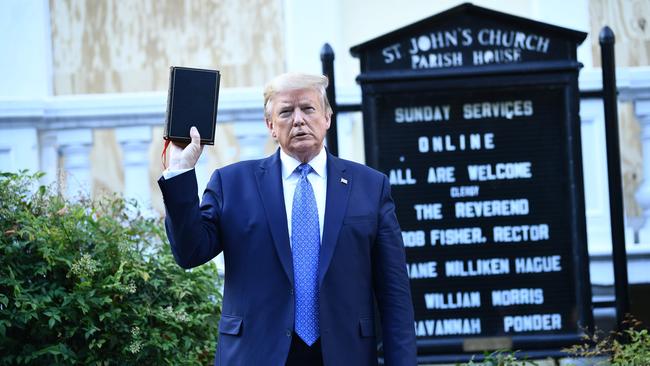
{"points": [[93, 282], [630, 347], [500, 358]]}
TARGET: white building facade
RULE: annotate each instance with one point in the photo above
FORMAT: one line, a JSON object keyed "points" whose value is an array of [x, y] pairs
{"points": [[85, 101]]}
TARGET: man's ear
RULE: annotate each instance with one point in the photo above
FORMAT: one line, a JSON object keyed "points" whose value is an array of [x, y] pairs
{"points": [[328, 118], [269, 125]]}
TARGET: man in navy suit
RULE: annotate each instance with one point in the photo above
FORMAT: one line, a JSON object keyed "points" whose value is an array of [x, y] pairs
{"points": [[310, 242]]}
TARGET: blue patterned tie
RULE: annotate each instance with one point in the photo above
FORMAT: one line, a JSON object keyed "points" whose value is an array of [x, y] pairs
{"points": [[305, 246]]}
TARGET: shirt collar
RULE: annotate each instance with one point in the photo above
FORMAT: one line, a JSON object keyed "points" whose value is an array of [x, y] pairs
{"points": [[289, 163]]}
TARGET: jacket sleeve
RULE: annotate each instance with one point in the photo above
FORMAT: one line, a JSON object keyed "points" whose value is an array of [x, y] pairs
{"points": [[192, 229], [392, 288]]}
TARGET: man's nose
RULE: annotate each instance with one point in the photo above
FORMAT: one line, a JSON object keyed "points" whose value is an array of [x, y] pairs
{"points": [[298, 117]]}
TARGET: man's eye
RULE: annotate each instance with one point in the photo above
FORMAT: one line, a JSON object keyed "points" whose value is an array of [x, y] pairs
{"points": [[285, 113]]}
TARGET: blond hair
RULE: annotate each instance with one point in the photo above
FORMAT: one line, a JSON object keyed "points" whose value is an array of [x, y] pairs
{"points": [[296, 81]]}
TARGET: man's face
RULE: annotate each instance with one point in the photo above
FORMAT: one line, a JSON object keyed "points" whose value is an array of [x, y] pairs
{"points": [[299, 122]]}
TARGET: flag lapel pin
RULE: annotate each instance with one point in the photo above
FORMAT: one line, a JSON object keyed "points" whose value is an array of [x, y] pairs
{"points": [[344, 181]]}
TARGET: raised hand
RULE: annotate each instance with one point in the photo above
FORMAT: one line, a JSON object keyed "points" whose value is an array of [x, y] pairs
{"points": [[185, 157]]}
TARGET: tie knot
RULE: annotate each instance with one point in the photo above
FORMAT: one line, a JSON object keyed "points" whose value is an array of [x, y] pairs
{"points": [[303, 170]]}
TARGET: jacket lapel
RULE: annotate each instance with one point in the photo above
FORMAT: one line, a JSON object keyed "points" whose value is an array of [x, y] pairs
{"points": [[269, 184], [338, 191]]}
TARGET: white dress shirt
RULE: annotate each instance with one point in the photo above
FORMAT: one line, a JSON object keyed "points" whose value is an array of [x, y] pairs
{"points": [[317, 177], [169, 174]]}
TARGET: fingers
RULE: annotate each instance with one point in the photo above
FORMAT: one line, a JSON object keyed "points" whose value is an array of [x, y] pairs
{"points": [[192, 152], [184, 155], [195, 136]]}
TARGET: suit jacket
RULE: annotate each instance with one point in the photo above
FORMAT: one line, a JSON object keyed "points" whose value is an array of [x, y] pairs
{"points": [[242, 213]]}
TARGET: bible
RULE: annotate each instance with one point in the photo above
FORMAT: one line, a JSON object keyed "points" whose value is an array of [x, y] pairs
{"points": [[192, 101]]}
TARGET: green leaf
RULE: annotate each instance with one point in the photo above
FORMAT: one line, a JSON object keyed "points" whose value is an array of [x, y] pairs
{"points": [[63, 311], [90, 332]]}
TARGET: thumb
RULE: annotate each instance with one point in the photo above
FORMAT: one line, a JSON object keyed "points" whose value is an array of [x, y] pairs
{"points": [[195, 136]]}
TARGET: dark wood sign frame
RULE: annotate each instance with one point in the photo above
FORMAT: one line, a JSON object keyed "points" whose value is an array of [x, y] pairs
{"points": [[558, 71]]}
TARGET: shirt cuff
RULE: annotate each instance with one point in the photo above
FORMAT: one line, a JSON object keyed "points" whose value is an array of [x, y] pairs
{"points": [[169, 174]]}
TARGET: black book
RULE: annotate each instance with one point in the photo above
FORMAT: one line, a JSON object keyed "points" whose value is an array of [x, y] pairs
{"points": [[192, 101]]}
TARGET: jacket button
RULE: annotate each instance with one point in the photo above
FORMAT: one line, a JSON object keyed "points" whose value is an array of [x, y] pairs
{"points": [[288, 333], [291, 291]]}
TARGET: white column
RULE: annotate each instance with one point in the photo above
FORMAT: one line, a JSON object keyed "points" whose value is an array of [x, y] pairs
{"points": [[19, 149], [596, 190], [252, 138], [49, 157], [642, 111], [135, 152], [74, 148]]}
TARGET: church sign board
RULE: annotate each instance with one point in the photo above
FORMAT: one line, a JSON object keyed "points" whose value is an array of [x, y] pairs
{"points": [[473, 115]]}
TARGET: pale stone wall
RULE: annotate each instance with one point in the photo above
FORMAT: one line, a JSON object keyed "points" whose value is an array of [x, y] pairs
{"points": [[629, 19], [124, 46], [118, 46]]}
